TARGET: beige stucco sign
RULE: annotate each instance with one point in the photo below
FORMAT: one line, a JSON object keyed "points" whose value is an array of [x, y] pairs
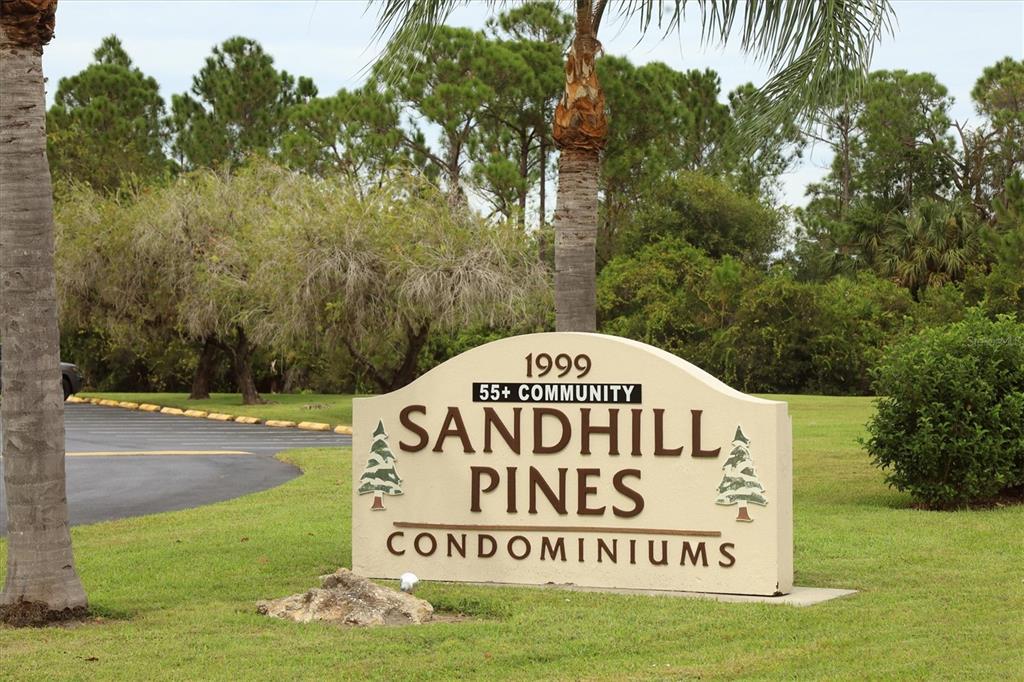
{"points": [[574, 458]]}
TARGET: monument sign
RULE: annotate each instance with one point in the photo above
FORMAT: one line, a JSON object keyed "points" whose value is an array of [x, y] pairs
{"points": [[574, 459]]}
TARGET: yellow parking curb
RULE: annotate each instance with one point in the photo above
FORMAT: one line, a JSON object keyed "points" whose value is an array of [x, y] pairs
{"points": [[142, 453], [314, 426], [215, 416]]}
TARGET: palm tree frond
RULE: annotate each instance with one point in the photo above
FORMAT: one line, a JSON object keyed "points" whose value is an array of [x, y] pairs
{"points": [[407, 25], [817, 49]]}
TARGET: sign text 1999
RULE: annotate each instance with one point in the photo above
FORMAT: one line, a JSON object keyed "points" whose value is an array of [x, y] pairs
{"points": [[563, 362]]}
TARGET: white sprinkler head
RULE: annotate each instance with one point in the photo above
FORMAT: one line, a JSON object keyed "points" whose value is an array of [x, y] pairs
{"points": [[409, 581]]}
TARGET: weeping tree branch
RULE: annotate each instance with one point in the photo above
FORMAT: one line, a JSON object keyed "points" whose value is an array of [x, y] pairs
{"points": [[379, 273]]}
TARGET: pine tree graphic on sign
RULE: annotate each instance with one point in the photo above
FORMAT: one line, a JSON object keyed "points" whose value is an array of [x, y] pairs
{"points": [[380, 476], [739, 484]]}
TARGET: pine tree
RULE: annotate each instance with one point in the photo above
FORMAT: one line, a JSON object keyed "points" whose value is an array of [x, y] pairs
{"points": [[238, 106], [740, 484], [104, 127], [380, 477]]}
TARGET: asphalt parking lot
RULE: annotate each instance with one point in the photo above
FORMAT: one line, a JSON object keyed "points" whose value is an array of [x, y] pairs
{"points": [[123, 463]]}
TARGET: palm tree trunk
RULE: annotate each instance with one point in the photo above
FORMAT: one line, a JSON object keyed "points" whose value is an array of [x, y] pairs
{"points": [[575, 239], [41, 582], [580, 131]]}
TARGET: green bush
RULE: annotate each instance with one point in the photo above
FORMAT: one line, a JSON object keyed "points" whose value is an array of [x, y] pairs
{"points": [[950, 427], [766, 347], [761, 333], [856, 318], [660, 295], [709, 215]]}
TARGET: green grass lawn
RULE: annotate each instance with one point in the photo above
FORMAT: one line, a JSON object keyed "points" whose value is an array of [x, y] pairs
{"points": [[941, 594], [297, 407]]}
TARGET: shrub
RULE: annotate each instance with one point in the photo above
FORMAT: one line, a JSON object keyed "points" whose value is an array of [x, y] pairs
{"points": [[767, 346], [856, 319], [950, 427], [657, 296], [708, 214]]}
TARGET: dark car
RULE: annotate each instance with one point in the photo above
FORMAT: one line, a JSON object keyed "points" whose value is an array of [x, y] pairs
{"points": [[71, 379]]}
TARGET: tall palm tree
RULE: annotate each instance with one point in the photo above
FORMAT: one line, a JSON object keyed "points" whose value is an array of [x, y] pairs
{"points": [[812, 46], [41, 582]]}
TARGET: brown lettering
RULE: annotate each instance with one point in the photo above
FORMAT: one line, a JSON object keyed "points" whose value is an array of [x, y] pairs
{"points": [[512, 552], [724, 549], [620, 485], [611, 552], [475, 474], [433, 544], [632, 551], [636, 414], [480, 546], [697, 452], [663, 561], [659, 437], [391, 547], [510, 493], [405, 419], [538, 431], [512, 439], [583, 491], [700, 553], [537, 481], [459, 547], [612, 431], [552, 549], [453, 426]]}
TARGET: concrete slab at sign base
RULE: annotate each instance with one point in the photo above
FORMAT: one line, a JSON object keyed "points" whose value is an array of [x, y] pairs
{"points": [[800, 596]]}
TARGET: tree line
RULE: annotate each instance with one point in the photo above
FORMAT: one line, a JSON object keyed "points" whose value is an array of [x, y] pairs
{"points": [[917, 211], [470, 111], [240, 265]]}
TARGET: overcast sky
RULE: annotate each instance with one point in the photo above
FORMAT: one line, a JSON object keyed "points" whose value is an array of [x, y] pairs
{"points": [[332, 42]]}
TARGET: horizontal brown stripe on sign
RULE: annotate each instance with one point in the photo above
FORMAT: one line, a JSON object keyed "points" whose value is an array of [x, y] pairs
{"points": [[561, 529]]}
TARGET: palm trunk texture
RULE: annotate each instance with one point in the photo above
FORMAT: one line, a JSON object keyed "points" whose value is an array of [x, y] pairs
{"points": [[575, 240], [580, 132], [41, 582]]}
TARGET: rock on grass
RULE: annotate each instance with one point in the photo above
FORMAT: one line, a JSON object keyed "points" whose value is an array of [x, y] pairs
{"points": [[348, 599]]}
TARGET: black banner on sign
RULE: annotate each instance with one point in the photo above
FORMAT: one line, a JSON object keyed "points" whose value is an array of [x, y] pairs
{"points": [[497, 392]]}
